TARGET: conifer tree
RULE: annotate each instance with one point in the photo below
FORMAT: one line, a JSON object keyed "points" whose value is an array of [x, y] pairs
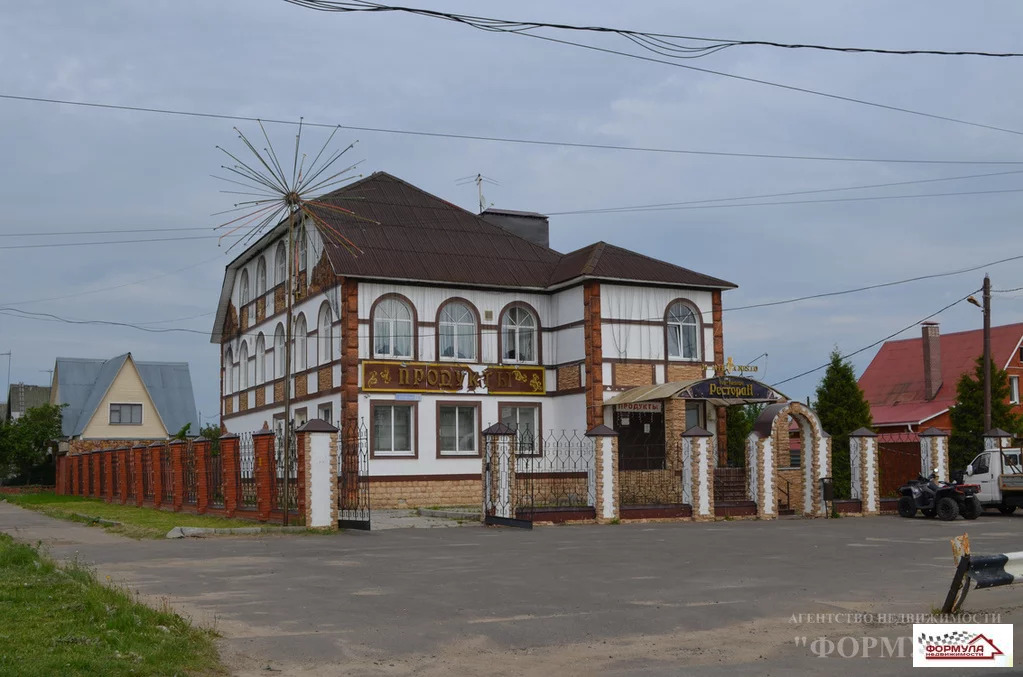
{"points": [[968, 413], [842, 408]]}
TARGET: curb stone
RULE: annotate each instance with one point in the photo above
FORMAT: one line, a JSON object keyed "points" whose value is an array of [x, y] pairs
{"points": [[186, 532], [450, 513]]}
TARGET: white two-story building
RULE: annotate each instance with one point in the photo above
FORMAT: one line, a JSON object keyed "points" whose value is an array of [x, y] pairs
{"points": [[447, 322]]}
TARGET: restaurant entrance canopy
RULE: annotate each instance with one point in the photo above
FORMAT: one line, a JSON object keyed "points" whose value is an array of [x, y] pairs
{"points": [[721, 391]]}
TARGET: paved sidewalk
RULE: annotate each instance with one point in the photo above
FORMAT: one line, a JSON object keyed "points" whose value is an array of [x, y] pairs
{"points": [[639, 599]]}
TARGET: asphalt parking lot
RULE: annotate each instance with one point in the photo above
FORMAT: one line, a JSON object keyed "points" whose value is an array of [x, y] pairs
{"points": [[631, 599]]}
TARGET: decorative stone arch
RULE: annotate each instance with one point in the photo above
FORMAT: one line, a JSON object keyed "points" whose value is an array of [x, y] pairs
{"points": [[769, 440]]}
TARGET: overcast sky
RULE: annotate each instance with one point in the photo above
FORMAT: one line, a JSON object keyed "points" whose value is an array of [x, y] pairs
{"points": [[68, 168]]}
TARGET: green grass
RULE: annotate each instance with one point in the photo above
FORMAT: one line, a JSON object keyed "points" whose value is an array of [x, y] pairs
{"points": [[135, 522], [61, 621]]}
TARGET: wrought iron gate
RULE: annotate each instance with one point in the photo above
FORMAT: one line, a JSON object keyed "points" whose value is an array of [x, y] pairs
{"points": [[353, 506], [507, 499]]}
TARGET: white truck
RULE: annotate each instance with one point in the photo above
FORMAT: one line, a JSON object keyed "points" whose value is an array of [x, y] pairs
{"points": [[1000, 476]]}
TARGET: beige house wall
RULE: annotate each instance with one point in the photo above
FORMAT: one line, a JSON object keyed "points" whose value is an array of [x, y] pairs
{"points": [[127, 388]]}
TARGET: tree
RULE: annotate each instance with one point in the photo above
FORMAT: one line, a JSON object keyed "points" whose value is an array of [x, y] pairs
{"points": [[740, 419], [842, 408], [967, 413], [24, 443]]}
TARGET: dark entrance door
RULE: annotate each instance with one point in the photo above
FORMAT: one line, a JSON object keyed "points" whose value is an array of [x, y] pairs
{"points": [[640, 439]]}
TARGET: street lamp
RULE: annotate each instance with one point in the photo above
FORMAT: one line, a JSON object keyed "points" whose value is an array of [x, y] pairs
{"points": [[986, 308]]}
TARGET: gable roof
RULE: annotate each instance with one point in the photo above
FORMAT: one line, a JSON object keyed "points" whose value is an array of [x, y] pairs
{"points": [[408, 234], [893, 383], [22, 397], [82, 383]]}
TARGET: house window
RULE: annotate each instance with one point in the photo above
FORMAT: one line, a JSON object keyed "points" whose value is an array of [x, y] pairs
{"points": [[457, 332], [325, 412], [228, 371], [261, 277], [393, 433], [1014, 389], [279, 352], [243, 366], [125, 414], [281, 263], [456, 430], [683, 332], [301, 417], [524, 420], [301, 243], [392, 329], [243, 296], [324, 337], [518, 336], [260, 359], [694, 414], [301, 343]]}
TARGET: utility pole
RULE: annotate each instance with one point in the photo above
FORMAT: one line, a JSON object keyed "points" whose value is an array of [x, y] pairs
{"points": [[7, 390], [292, 201], [987, 353]]}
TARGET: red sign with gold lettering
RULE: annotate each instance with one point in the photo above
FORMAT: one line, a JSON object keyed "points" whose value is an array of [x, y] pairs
{"points": [[440, 377]]}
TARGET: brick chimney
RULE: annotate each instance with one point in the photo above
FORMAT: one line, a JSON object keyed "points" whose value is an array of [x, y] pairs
{"points": [[932, 359]]}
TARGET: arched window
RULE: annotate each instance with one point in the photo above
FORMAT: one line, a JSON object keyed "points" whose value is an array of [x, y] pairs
{"points": [[243, 285], [228, 371], [324, 336], [279, 351], [261, 277], [301, 242], [518, 335], [683, 326], [281, 264], [392, 328], [301, 360], [260, 359], [457, 332], [243, 366]]}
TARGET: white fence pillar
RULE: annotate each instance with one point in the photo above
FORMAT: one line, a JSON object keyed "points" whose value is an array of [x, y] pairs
{"points": [[865, 480], [320, 460], [996, 438], [698, 453], [934, 453], [606, 470], [760, 463]]}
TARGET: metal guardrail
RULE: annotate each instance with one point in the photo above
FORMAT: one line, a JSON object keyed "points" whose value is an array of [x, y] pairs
{"points": [[984, 571]]}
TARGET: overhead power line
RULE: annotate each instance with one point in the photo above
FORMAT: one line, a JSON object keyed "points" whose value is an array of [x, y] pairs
{"points": [[654, 41], [107, 242], [676, 51], [51, 233], [502, 139], [878, 342]]}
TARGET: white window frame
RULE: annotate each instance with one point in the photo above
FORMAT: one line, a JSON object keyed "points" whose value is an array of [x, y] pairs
{"points": [[280, 264], [131, 405], [678, 326], [243, 289], [329, 408], [514, 425], [301, 241], [279, 339], [243, 366], [474, 451], [228, 371], [260, 359], [324, 335], [516, 328], [392, 452], [385, 315], [448, 324], [1014, 389], [300, 359], [261, 277]]}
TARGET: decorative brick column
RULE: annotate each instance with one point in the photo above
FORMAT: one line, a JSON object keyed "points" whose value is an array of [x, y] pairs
{"points": [[73, 462], [201, 451], [156, 463], [605, 467], [996, 438], [865, 480], [262, 471], [97, 469], [698, 457], [934, 453], [594, 354], [136, 461], [109, 479], [721, 413], [177, 461], [317, 474], [498, 474], [229, 455], [123, 459]]}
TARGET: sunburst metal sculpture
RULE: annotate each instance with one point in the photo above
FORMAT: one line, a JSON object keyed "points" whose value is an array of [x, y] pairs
{"points": [[279, 197]]}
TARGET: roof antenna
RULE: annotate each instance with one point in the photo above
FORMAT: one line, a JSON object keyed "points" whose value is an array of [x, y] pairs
{"points": [[479, 179]]}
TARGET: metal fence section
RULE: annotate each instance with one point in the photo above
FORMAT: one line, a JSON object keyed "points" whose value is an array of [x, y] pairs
{"points": [[560, 474], [246, 469], [282, 475], [147, 475], [353, 508], [215, 479], [898, 460], [651, 475], [191, 484]]}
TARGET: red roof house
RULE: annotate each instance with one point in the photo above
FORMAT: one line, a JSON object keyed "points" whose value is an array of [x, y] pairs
{"points": [[911, 384]]}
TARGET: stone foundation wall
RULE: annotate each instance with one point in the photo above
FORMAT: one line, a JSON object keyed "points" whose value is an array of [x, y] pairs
{"points": [[424, 492]]}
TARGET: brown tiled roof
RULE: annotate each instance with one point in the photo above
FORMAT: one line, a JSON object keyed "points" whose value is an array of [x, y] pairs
{"points": [[406, 233]]}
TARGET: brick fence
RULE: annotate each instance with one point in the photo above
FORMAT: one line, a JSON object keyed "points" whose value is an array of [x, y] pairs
{"points": [[240, 476]]}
